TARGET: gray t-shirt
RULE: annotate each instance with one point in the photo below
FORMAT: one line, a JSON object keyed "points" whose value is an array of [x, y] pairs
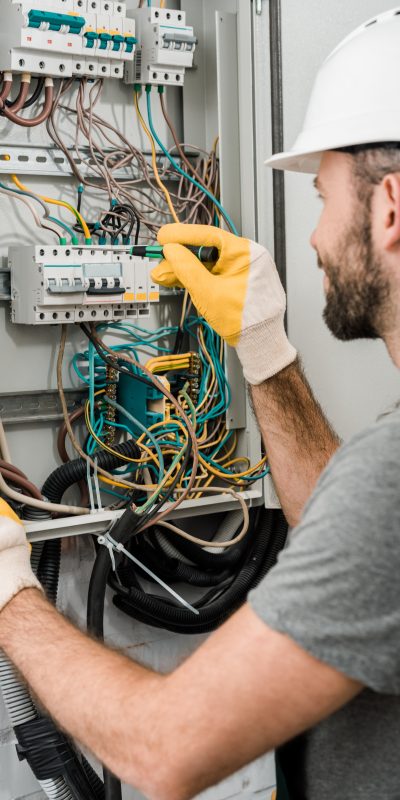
{"points": [[336, 592]]}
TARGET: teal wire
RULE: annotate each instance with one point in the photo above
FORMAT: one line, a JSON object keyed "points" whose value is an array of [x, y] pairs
{"points": [[91, 383], [141, 427], [33, 196], [182, 171]]}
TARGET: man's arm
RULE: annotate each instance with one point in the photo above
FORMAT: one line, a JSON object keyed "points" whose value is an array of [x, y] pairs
{"points": [[246, 690], [298, 438], [242, 298]]}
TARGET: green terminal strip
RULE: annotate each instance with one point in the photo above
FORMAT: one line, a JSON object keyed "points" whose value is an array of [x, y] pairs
{"points": [[55, 21]]}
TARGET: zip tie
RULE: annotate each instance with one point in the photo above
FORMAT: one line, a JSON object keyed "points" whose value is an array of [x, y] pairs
{"points": [[89, 483], [108, 541], [96, 485], [105, 541]]}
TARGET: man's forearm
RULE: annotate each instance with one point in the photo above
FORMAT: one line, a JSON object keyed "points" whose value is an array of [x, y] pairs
{"points": [[89, 690], [298, 438]]}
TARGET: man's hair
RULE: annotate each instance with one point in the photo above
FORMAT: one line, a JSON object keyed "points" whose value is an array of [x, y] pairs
{"points": [[370, 164]]}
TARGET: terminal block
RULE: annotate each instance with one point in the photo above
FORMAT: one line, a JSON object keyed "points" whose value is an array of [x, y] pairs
{"points": [[75, 284], [165, 50], [66, 37]]}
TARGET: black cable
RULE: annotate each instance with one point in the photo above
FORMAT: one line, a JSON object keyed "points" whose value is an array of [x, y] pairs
{"points": [[111, 361], [34, 96]]}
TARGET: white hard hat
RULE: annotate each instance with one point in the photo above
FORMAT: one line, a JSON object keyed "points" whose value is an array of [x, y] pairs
{"points": [[355, 98]]}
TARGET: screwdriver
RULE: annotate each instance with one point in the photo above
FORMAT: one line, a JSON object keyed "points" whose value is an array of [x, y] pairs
{"points": [[205, 254]]}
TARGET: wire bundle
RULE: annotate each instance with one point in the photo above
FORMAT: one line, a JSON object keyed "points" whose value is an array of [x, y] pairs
{"points": [[199, 383], [142, 194]]}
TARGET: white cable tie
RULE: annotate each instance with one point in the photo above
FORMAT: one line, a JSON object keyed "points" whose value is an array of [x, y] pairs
{"points": [[119, 547], [96, 485], [89, 483], [110, 547]]}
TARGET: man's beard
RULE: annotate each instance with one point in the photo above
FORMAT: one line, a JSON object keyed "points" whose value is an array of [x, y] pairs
{"points": [[358, 291]]}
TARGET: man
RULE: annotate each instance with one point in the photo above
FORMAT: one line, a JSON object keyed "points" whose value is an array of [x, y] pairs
{"points": [[313, 659]]}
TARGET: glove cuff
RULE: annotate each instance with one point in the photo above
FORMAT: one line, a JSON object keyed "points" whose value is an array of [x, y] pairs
{"points": [[16, 573], [264, 350]]}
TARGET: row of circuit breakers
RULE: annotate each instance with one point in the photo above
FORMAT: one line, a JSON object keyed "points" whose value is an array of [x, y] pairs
{"points": [[50, 285], [61, 38]]}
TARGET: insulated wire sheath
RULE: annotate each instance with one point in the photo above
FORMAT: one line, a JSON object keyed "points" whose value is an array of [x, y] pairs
{"points": [[32, 121], [10, 193], [185, 174], [56, 203]]}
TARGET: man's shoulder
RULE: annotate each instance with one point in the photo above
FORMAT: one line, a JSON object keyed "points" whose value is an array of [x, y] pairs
{"points": [[374, 447]]}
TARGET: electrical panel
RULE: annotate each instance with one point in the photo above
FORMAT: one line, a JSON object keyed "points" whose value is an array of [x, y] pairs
{"points": [[75, 284], [66, 37], [165, 48]]}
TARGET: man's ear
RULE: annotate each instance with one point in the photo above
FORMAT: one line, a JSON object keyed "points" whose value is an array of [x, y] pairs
{"points": [[389, 210]]}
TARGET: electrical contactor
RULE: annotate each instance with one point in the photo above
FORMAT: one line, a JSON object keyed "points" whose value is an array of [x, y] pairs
{"points": [[66, 37], [73, 284], [166, 47]]}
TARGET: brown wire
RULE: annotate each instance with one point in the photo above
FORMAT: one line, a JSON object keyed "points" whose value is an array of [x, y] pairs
{"points": [[21, 97], [18, 480], [33, 121], [177, 143], [62, 433], [12, 468], [5, 90], [61, 447]]}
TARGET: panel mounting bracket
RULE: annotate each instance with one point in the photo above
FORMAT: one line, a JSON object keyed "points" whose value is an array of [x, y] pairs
{"points": [[39, 406]]}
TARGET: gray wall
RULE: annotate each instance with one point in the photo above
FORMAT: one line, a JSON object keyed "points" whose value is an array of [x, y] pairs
{"points": [[354, 381]]}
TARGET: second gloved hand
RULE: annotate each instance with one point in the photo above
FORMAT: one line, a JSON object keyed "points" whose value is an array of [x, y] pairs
{"points": [[15, 567], [240, 296]]}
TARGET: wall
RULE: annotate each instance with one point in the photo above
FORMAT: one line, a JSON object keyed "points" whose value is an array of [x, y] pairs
{"points": [[354, 381]]}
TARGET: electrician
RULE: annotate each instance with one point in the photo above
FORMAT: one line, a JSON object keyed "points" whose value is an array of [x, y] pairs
{"points": [[313, 658]]}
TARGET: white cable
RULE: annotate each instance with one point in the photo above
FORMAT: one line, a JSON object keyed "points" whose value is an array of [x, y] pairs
{"points": [[48, 226], [5, 451], [46, 506], [226, 530]]}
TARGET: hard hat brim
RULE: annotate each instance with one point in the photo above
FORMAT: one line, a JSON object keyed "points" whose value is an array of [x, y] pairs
{"points": [[296, 162]]}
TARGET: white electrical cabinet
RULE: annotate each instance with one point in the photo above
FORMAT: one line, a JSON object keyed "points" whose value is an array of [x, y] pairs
{"points": [[61, 38], [78, 284], [200, 54]]}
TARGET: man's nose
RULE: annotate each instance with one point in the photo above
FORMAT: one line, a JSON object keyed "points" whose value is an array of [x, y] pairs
{"points": [[313, 239]]}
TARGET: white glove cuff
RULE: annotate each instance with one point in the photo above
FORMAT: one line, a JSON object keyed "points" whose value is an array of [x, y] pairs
{"points": [[15, 566], [16, 573], [264, 350]]}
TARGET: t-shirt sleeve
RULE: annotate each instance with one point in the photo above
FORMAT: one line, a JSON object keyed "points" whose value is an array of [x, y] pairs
{"points": [[336, 588]]}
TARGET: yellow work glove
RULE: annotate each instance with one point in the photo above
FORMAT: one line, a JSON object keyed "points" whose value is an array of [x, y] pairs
{"points": [[15, 565], [240, 296]]}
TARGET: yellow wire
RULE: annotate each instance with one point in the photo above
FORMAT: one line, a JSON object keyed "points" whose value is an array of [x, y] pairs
{"points": [[235, 476], [110, 449], [162, 4], [55, 203], [154, 160]]}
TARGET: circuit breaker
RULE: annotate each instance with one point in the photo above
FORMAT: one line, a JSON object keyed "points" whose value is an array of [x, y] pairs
{"points": [[73, 284], [66, 37], [165, 48]]}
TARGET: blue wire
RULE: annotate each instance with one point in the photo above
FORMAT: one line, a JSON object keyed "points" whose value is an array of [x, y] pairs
{"points": [[141, 427], [182, 171]]}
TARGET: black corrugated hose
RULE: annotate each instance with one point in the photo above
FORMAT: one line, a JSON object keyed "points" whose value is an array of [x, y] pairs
{"points": [[264, 543], [67, 474]]}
